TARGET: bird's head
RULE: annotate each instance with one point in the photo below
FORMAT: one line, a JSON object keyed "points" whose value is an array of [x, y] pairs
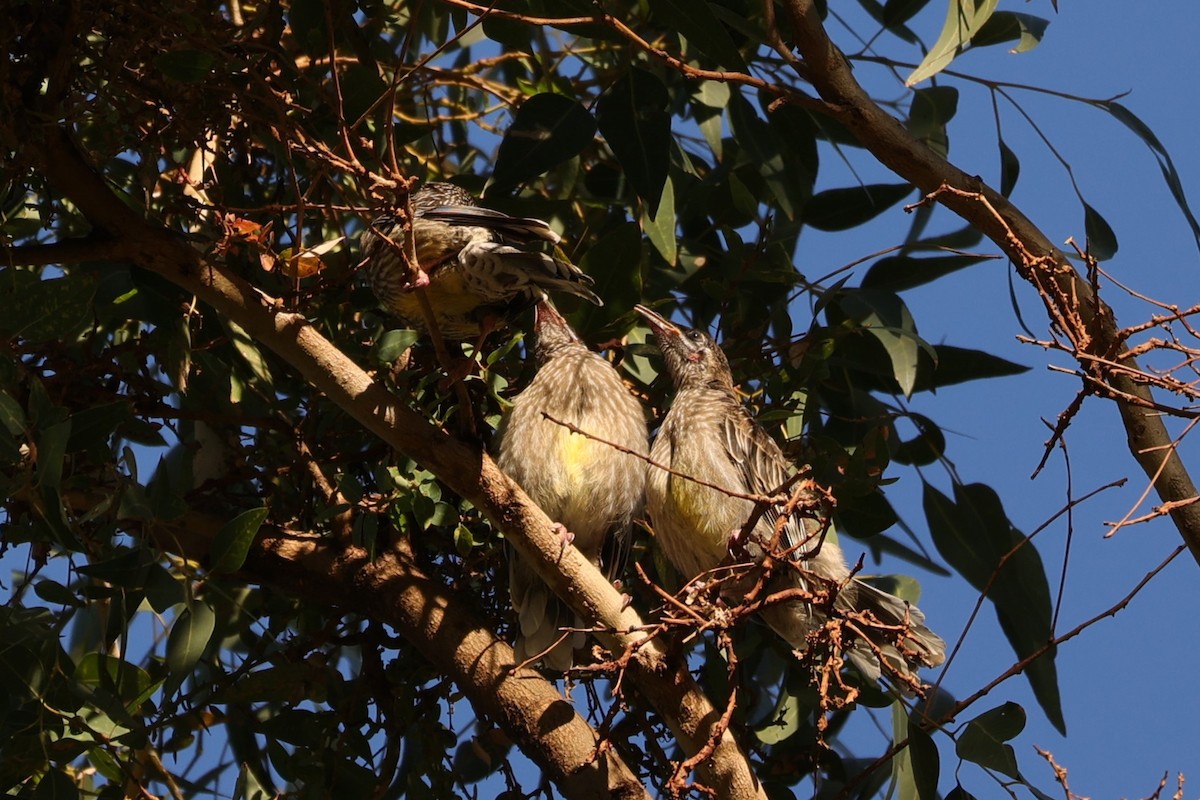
{"points": [[552, 331], [434, 194], [694, 359]]}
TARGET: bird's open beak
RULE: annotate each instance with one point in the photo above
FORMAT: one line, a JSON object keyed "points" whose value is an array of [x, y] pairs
{"points": [[658, 323], [545, 312]]}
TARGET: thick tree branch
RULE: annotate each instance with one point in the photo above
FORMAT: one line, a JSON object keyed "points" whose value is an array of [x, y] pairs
{"points": [[1069, 298], [463, 467], [391, 588]]}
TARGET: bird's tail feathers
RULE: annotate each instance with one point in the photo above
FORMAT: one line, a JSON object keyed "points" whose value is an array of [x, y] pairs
{"points": [[542, 270], [541, 618], [919, 645]]}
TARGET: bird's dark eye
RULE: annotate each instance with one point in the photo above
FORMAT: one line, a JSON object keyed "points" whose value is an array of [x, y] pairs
{"points": [[694, 336]]}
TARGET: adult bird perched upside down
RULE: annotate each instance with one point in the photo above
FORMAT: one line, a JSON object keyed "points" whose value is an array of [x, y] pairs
{"points": [[591, 488], [477, 279], [709, 435]]}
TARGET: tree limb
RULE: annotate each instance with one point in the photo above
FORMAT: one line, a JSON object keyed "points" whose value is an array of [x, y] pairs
{"points": [[1069, 298]]}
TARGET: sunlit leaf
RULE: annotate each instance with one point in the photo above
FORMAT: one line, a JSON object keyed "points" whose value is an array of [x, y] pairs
{"points": [[660, 225], [187, 642], [964, 18], [232, 543]]}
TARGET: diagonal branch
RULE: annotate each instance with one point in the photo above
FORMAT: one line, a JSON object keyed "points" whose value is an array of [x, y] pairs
{"points": [[1069, 298]]}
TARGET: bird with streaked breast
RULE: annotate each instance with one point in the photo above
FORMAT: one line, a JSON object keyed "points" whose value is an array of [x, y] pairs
{"points": [[708, 435], [477, 279], [589, 487]]}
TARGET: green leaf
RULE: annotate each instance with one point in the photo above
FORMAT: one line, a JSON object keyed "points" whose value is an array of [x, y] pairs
{"points": [[93, 426], [251, 355], [984, 739], [842, 209], [187, 66], [761, 147], [929, 113], [547, 130], [55, 592], [865, 516], [392, 344], [47, 310], [615, 263], [130, 682], [885, 316], [1101, 241], [926, 447], [973, 534], [1006, 26], [915, 768], [695, 21], [953, 365], [51, 449], [964, 18], [898, 12], [361, 89], [660, 225], [634, 120], [12, 416], [187, 642], [170, 483], [1165, 164], [897, 273], [233, 541], [56, 785], [128, 569], [1010, 169]]}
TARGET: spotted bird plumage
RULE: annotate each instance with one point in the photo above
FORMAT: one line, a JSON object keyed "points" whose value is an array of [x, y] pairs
{"points": [[478, 278]]}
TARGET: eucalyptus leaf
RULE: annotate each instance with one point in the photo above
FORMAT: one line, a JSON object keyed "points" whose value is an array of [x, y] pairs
{"points": [[964, 18], [547, 130]]}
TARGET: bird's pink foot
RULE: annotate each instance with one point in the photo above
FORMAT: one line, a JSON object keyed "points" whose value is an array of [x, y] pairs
{"points": [[737, 544], [565, 537], [419, 280]]}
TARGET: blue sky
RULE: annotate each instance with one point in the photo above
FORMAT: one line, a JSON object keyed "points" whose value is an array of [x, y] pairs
{"points": [[1130, 703], [1129, 700]]}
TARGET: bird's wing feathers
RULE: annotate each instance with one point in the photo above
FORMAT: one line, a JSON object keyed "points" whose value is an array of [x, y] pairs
{"points": [[764, 470], [521, 229], [499, 269]]}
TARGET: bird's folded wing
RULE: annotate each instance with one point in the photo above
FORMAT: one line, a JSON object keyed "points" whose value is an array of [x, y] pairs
{"points": [[521, 229]]}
